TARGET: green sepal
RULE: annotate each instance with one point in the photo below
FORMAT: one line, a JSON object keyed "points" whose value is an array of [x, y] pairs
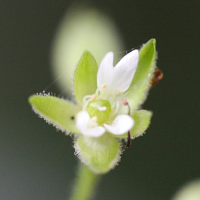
{"points": [[142, 119], [59, 112], [137, 92], [85, 77], [100, 154]]}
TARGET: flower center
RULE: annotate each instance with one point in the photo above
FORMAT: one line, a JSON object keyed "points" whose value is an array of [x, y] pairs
{"points": [[100, 109]]}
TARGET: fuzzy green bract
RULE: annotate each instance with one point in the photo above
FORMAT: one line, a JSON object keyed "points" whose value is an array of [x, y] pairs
{"points": [[137, 92], [85, 77], [59, 112], [101, 153]]}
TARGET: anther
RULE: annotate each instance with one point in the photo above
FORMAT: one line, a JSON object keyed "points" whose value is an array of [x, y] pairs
{"points": [[124, 102], [119, 92], [103, 86], [94, 96]]}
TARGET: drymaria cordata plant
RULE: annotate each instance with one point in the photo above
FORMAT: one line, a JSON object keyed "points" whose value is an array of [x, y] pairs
{"points": [[107, 108]]}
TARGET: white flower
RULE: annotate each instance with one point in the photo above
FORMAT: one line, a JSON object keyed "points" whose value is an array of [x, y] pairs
{"points": [[117, 79], [111, 82]]}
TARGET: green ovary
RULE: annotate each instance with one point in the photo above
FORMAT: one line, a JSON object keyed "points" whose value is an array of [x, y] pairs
{"points": [[99, 108]]}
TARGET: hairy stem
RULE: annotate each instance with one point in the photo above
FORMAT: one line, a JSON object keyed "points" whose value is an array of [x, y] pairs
{"points": [[85, 184]]}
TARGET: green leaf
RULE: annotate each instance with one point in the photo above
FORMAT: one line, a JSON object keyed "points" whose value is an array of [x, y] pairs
{"points": [[100, 154], [137, 92], [85, 77], [142, 120], [59, 112]]}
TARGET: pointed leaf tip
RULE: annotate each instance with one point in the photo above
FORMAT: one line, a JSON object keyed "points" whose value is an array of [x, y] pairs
{"points": [[153, 40], [137, 92], [85, 77]]}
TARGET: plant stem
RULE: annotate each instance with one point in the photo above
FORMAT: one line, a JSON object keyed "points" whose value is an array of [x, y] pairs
{"points": [[85, 184]]}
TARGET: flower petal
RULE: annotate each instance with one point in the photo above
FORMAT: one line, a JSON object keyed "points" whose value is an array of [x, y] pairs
{"points": [[94, 132], [82, 121], [142, 119], [121, 125], [124, 71], [106, 71]]}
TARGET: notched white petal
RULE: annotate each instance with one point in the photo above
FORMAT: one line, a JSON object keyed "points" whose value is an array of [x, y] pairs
{"points": [[121, 125], [94, 132], [84, 124], [105, 72], [125, 70]]}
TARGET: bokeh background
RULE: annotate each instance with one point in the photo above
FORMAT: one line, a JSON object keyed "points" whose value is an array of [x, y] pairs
{"points": [[38, 163]]}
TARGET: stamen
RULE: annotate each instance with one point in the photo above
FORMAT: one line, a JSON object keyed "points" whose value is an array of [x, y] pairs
{"points": [[119, 92], [86, 100], [94, 96], [103, 86], [125, 103]]}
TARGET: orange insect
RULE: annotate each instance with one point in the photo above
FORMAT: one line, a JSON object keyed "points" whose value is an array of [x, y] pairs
{"points": [[157, 76]]}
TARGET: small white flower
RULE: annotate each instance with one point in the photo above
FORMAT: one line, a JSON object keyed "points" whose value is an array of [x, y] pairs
{"points": [[112, 82], [117, 79]]}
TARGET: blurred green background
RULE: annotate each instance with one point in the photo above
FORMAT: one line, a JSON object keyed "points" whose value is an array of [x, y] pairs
{"points": [[38, 163]]}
